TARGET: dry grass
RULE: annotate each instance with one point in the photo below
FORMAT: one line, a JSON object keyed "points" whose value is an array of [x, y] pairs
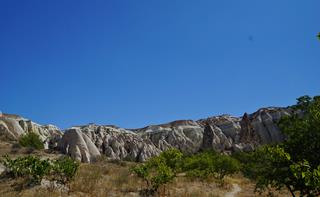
{"points": [[113, 178], [14, 150]]}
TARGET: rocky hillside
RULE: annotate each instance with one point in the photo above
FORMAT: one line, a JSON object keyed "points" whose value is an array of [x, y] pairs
{"points": [[13, 126], [222, 133]]}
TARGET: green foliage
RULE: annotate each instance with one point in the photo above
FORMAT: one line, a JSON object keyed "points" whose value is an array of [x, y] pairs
{"points": [[268, 167], [303, 132], [159, 170], [225, 165], [200, 165], [30, 166], [64, 169], [318, 35], [35, 169], [172, 158], [162, 169], [294, 164], [273, 167], [210, 164], [162, 174], [31, 140], [142, 171]]}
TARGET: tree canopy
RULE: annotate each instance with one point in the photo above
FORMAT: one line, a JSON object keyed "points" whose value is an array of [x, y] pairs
{"points": [[294, 164]]}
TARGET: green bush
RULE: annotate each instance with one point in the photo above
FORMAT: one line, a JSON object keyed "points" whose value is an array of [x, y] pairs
{"points": [[159, 170], [162, 169], [210, 164], [34, 169], [172, 158], [30, 166], [295, 163], [162, 175], [200, 165], [225, 165], [64, 169], [31, 140]]}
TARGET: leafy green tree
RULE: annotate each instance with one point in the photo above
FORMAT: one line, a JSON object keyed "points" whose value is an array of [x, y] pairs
{"points": [[159, 170], [225, 165], [210, 164], [162, 174], [142, 171], [200, 165], [31, 140], [302, 130], [172, 158], [294, 164], [269, 166]]}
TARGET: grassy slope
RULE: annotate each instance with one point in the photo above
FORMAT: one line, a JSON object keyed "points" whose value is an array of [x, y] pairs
{"points": [[113, 178]]}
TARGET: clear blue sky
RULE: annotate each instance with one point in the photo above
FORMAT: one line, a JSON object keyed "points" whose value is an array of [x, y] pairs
{"points": [[133, 63]]}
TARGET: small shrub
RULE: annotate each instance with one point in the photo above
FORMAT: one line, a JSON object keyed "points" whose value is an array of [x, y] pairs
{"points": [[159, 170], [142, 171], [64, 169], [172, 158], [163, 175], [31, 140], [34, 169], [30, 167]]}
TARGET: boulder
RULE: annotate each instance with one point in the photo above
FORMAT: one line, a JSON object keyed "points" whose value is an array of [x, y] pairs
{"points": [[78, 145]]}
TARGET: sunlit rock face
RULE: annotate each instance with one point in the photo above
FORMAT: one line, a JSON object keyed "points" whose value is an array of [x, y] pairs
{"points": [[13, 126], [115, 143], [261, 126], [78, 145], [221, 133], [185, 135]]}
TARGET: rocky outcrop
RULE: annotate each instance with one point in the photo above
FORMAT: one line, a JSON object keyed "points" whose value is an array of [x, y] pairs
{"points": [[214, 138], [13, 126], [116, 143], [221, 133], [261, 126], [78, 145], [185, 135]]}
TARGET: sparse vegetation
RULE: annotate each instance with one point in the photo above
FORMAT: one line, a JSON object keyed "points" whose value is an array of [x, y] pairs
{"points": [[31, 167], [292, 166], [31, 140], [159, 170], [163, 169], [210, 164], [35, 169], [107, 177], [63, 169]]}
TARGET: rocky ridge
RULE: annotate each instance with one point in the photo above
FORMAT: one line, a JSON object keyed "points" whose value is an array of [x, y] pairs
{"points": [[222, 133], [12, 127]]}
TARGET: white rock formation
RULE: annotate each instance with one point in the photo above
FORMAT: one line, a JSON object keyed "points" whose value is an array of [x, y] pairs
{"points": [[222, 133], [78, 145], [13, 126]]}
